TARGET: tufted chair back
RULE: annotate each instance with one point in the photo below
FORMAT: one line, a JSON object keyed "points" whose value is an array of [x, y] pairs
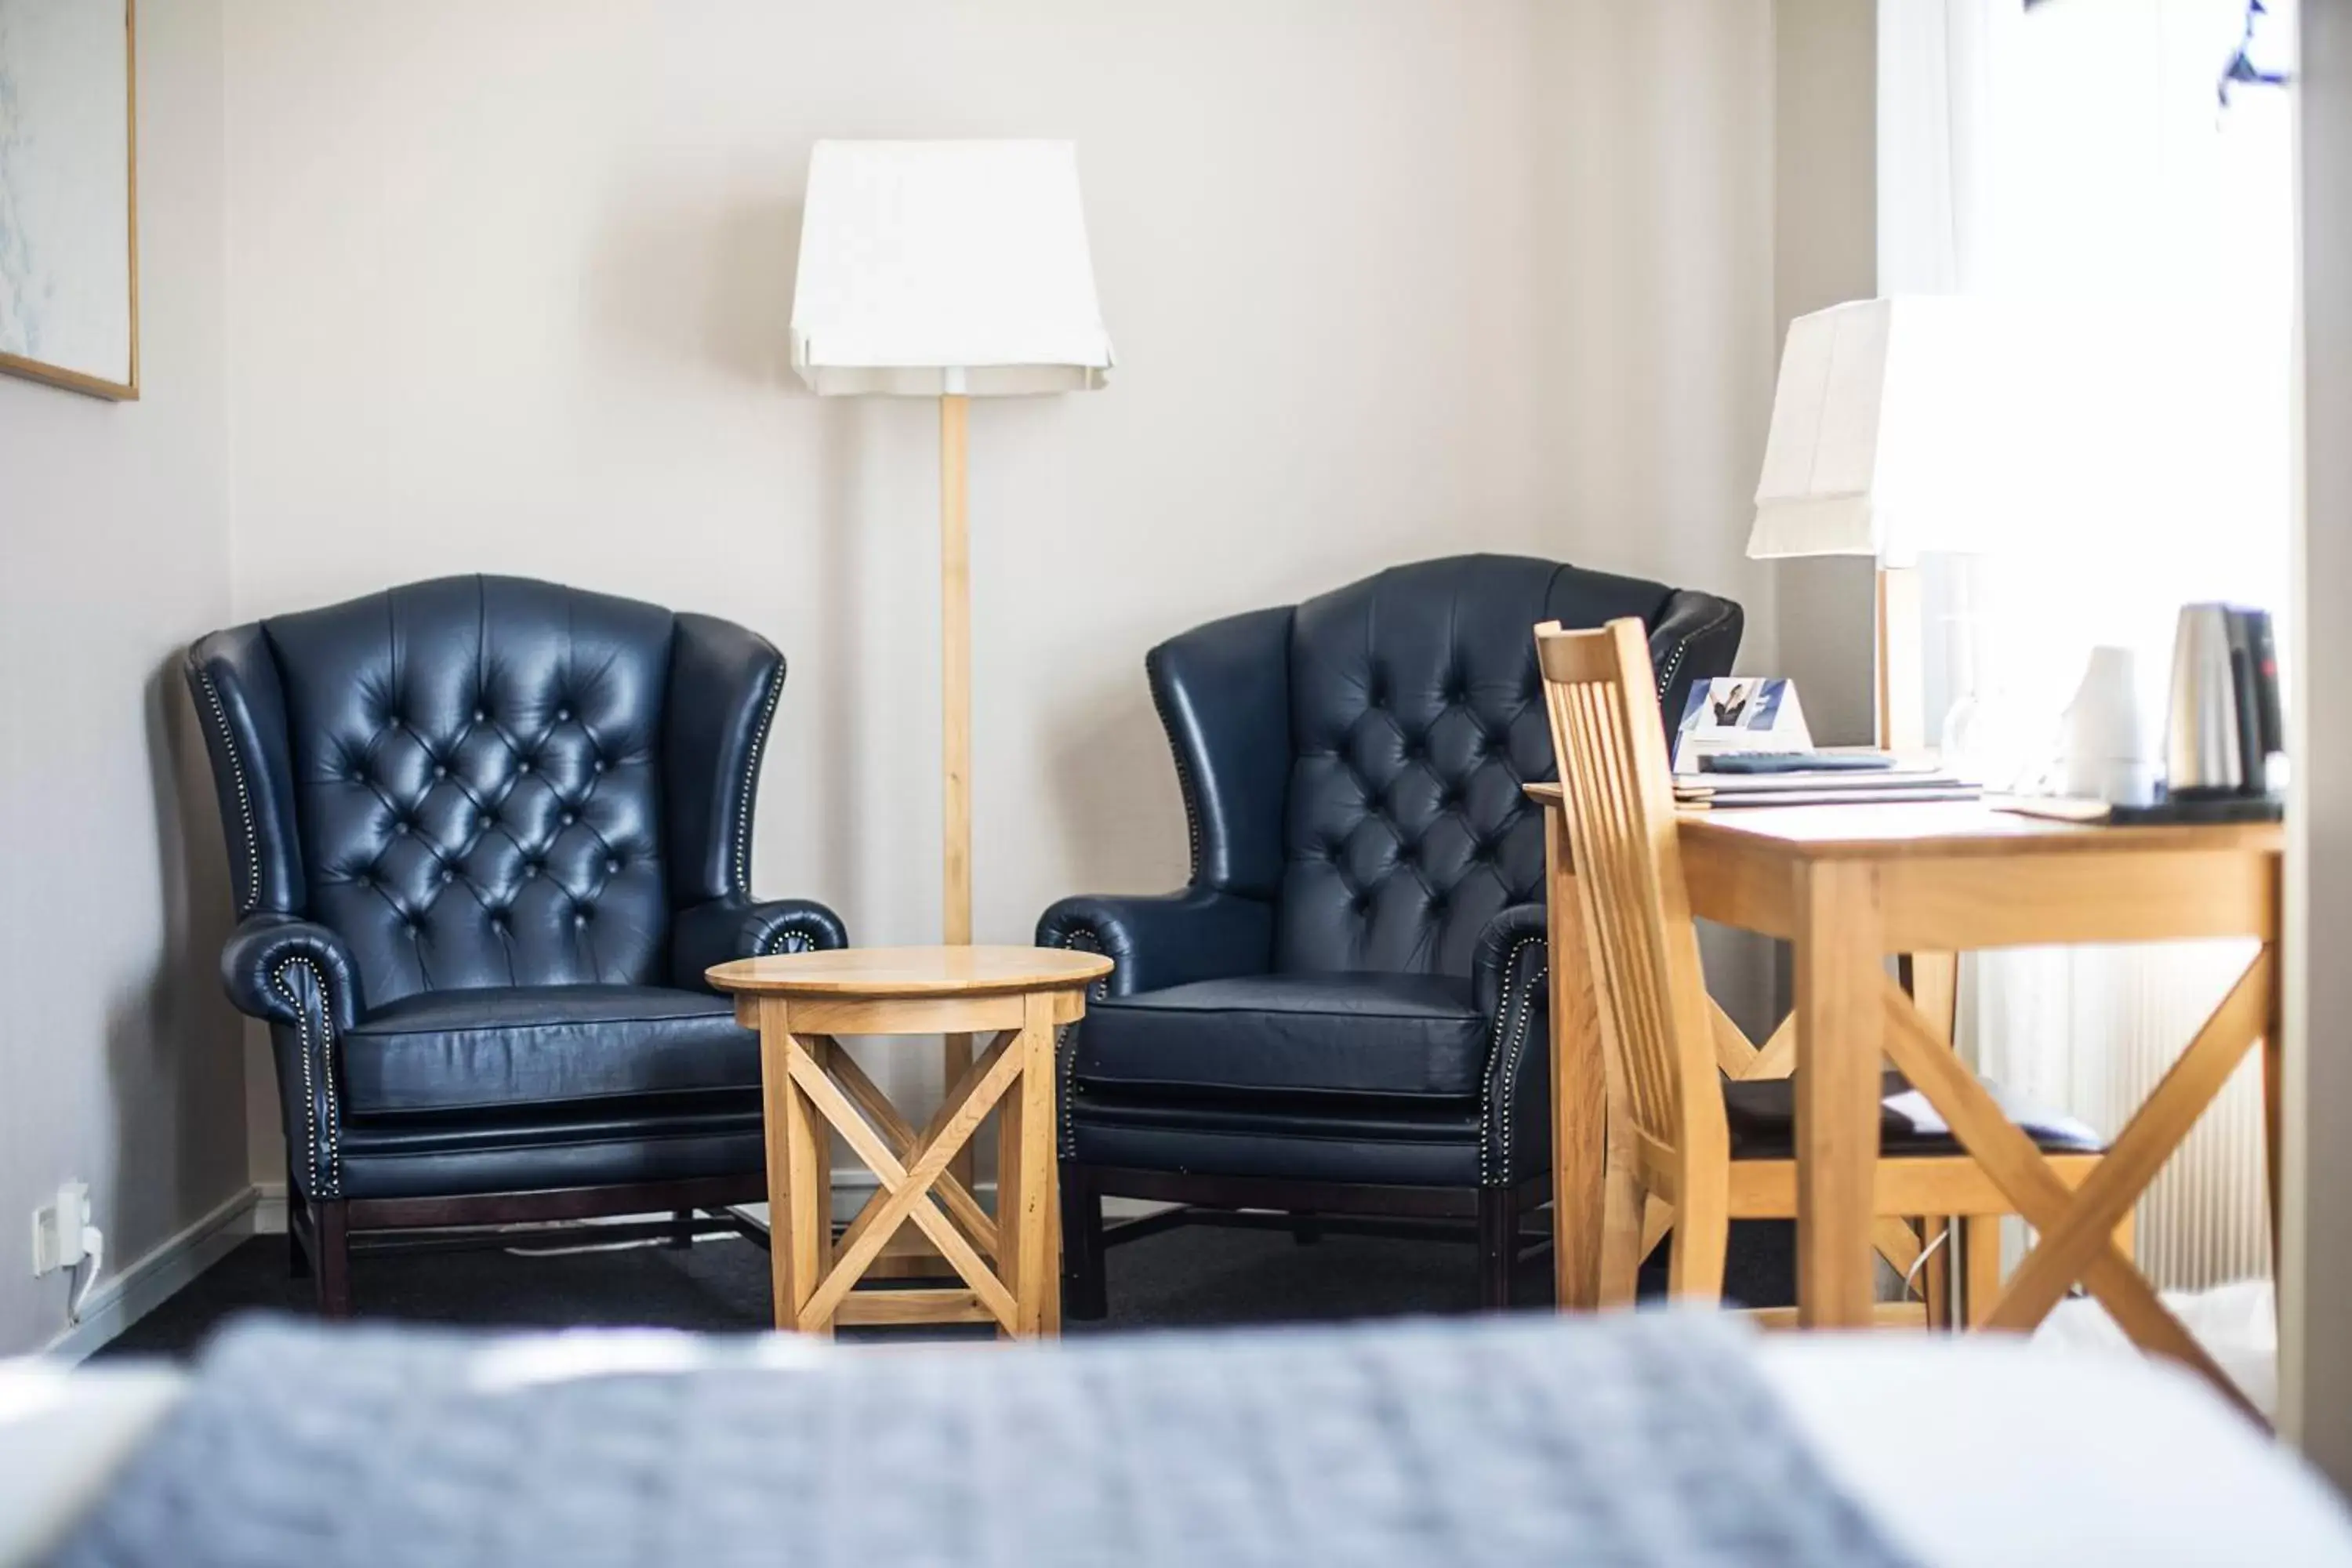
{"points": [[1417, 715], [469, 780], [1356, 761]]}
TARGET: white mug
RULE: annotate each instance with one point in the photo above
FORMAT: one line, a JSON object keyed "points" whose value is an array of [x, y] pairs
{"points": [[2108, 751]]}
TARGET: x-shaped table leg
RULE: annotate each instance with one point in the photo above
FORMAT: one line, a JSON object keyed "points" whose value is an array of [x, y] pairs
{"points": [[906, 1190], [2077, 1227], [906, 1143]]}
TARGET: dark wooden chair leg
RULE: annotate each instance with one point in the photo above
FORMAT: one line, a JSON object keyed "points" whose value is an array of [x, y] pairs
{"points": [[681, 1229], [298, 1256], [1306, 1227], [1498, 1247], [1085, 1295], [332, 1235]]}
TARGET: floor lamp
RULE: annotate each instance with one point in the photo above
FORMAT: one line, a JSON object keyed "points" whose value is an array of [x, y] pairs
{"points": [[954, 270]]}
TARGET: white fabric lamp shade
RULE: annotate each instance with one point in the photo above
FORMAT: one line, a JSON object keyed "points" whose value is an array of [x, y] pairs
{"points": [[1889, 428], [932, 267]]}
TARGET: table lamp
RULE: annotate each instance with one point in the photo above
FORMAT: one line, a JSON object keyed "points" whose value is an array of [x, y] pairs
{"points": [[1884, 443], [947, 269]]}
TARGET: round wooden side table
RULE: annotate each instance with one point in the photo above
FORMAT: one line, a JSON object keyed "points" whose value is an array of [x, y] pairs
{"points": [[1009, 1261]]}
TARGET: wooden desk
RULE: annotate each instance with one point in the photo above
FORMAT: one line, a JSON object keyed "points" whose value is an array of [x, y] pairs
{"points": [[1849, 886]]}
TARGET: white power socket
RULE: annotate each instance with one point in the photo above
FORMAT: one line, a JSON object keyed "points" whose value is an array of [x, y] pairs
{"points": [[57, 1229], [45, 1240]]}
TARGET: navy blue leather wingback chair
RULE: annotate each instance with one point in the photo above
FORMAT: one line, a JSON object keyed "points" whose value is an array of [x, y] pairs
{"points": [[1344, 1011], [486, 835]]}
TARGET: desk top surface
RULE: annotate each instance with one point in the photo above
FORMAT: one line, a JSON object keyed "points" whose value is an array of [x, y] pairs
{"points": [[1940, 828]]}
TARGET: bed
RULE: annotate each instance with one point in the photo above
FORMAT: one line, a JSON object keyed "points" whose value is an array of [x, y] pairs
{"points": [[1667, 1437]]}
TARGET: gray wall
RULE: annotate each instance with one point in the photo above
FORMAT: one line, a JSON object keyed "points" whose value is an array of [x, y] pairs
{"points": [[1825, 252], [118, 1060], [2316, 1385], [1386, 282], [434, 287]]}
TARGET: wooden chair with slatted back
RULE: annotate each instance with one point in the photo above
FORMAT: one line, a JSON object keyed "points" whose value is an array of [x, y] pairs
{"points": [[1678, 1131]]}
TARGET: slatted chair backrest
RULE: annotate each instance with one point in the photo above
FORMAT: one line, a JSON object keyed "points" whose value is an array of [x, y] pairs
{"points": [[1650, 992]]}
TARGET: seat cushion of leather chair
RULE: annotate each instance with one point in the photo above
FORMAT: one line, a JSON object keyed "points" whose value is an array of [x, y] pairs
{"points": [[584, 1143], [1386, 1141], [1323, 1034], [1762, 1113], [496, 1047]]}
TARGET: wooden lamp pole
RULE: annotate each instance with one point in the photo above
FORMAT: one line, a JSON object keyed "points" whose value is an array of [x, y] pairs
{"points": [[1901, 662], [1934, 977], [955, 668], [948, 268], [955, 707]]}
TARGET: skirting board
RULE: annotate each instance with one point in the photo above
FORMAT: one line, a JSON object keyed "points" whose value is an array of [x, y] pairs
{"points": [[120, 1299]]}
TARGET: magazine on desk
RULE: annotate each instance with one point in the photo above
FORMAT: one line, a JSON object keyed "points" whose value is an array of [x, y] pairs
{"points": [[1743, 741]]}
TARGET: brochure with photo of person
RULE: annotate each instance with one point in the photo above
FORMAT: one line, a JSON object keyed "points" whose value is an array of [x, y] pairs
{"points": [[1739, 713]]}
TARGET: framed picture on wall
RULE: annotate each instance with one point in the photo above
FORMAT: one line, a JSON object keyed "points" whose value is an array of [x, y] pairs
{"points": [[70, 193]]}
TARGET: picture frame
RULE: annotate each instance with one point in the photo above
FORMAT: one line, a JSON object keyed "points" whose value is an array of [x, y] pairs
{"points": [[68, 264]]}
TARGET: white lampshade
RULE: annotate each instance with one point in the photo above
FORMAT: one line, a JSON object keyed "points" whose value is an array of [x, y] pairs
{"points": [[946, 267], [1890, 431]]}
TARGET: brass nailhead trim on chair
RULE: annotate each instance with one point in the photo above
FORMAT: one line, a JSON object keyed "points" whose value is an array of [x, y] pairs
{"points": [[1081, 939], [1673, 664], [751, 785], [244, 798], [1500, 1115], [787, 932], [1184, 783], [327, 1070]]}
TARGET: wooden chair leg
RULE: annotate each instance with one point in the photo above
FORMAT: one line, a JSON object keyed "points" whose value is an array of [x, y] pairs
{"points": [[1498, 1247], [1624, 1204], [2125, 1234], [1702, 1238], [298, 1215], [681, 1229], [1085, 1295], [1980, 1261], [333, 1262], [297, 1257], [1306, 1227]]}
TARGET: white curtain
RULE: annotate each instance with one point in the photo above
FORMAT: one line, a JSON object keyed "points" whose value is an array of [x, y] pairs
{"points": [[2075, 157]]}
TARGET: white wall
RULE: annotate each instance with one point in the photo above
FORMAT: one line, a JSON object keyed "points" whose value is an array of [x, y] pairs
{"points": [[118, 1057], [507, 287], [1652, 214]]}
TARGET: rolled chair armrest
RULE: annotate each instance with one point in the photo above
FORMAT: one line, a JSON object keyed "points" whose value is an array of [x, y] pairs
{"points": [[732, 927], [276, 967], [1510, 980], [1170, 939], [298, 976]]}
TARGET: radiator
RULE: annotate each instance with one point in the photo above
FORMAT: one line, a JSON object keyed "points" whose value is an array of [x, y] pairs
{"points": [[2091, 1031]]}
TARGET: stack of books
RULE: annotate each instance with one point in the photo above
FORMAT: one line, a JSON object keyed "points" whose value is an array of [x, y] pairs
{"points": [[1814, 778]]}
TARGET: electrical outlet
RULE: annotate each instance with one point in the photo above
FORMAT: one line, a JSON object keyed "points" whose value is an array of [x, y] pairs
{"points": [[57, 1229], [73, 1215], [45, 1240]]}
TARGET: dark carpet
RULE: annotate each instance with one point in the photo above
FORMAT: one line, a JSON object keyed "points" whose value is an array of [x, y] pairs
{"points": [[1192, 1276]]}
